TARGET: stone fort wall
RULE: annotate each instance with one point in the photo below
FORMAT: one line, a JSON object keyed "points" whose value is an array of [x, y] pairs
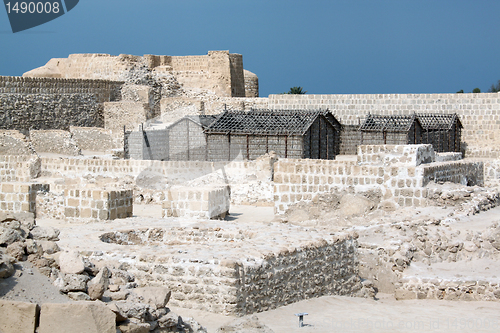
{"points": [[479, 113], [49, 103], [218, 71]]}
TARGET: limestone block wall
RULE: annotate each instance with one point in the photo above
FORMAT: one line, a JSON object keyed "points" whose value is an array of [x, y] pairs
{"points": [[400, 173], [149, 145], [20, 197], [491, 169], [392, 154], [125, 113], [204, 202], [173, 170], [101, 204], [238, 272], [19, 168], [479, 113]]}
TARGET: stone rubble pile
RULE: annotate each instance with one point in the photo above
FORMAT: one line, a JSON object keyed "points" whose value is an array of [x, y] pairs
{"points": [[136, 309], [430, 242]]}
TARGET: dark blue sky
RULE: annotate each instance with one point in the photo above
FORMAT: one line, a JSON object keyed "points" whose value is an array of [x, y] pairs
{"points": [[325, 46]]}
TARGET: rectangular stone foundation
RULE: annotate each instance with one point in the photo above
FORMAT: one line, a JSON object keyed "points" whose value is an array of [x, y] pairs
{"points": [[98, 204], [205, 202], [20, 197], [238, 269]]}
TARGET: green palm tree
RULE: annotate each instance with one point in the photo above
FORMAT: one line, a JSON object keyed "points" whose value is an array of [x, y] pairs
{"points": [[296, 91]]}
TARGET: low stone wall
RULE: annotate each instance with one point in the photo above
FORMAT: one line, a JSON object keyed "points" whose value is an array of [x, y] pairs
{"points": [[13, 142], [98, 203], [54, 141], [20, 168], [93, 138], [235, 270], [20, 197], [400, 173], [392, 154], [443, 289], [206, 202], [180, 170], [318, 269], [447, 157], [462, 172]]}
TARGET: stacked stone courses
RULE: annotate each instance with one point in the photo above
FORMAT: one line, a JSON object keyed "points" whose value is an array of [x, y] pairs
{"points": [[104, 90], [49, 103], [203, 202], [19, 168], [20, 197], [400, 173], [233, 269], [98, 204]]}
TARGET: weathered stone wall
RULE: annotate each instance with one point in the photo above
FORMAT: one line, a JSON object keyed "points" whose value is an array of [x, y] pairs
{"points": [[104, 91], [93, 138], [462, 172], [13, 142], [54, 141], [49, 103], [413, 155], [479, 113], [125, 114], [400, 173], [19, 197], [205, 202], [19, 168], [98, 203], [239, 272], [176, 171], [149, 145], [49, 111]]}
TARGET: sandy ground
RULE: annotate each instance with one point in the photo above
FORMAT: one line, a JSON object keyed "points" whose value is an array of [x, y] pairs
{"points": [[325, 314], [348, 314]]}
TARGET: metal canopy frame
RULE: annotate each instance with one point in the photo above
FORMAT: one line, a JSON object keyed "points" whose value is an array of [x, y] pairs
{"points": [[394, 123], [267, 122], [438, 121]]}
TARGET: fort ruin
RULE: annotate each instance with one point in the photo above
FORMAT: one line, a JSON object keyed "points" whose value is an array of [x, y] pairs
{"points": [[88, 138]]}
